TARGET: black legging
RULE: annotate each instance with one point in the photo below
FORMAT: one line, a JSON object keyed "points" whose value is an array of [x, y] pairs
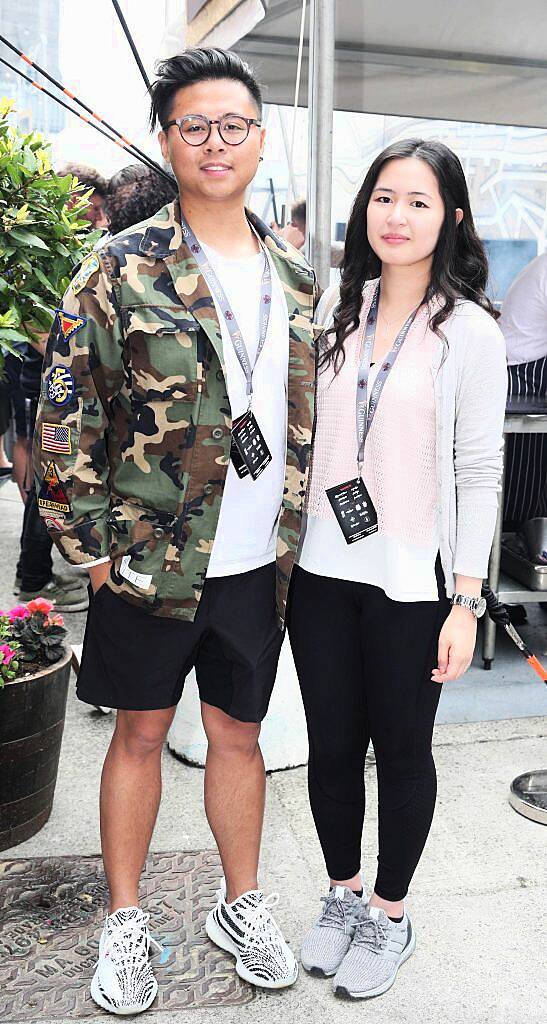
{"points": [[364, 665]]}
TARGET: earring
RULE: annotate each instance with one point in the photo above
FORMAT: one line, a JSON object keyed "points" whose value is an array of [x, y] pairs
{"points": [[260, 158]]}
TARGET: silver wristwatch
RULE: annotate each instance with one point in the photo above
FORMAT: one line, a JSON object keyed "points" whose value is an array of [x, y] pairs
{"points": [[477, 605]]}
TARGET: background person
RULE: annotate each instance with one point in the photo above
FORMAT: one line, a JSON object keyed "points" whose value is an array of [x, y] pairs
{"points": [[410, 409], [295, 232], [91, 178], [134, 194], [523, 323]]}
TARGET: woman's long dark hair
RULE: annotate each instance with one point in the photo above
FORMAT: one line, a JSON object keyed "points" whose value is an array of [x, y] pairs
{"points": [[459, 269]]}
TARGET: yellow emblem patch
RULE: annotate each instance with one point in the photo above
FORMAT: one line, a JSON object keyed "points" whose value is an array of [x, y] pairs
{"points": [[88, 267]]}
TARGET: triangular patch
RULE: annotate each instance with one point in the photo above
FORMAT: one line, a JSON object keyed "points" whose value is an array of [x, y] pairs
{"points": [[52, 494], [69, 324]]}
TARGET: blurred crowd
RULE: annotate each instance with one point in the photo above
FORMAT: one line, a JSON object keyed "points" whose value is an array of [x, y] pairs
{"points": [[131, 195]]}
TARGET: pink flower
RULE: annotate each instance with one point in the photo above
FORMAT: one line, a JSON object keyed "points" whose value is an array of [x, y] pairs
{"points": [[55, 620], [19, 612], [6, 654], [40, 604]]}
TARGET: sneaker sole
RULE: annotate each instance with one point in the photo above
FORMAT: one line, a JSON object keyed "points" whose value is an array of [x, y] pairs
{"points": [[318, 972], [222, 940], [60, 606], [344, 993], [120, 1011], [77, 606]]}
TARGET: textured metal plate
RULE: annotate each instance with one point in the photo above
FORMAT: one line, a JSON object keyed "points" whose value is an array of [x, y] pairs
{"points": [[51, 914]]}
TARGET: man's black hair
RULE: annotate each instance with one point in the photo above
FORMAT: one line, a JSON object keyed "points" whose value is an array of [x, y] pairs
{"points": [[134, 194], [197, 65]]}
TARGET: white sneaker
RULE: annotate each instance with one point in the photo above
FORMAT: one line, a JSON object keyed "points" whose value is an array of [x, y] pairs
{"points": [[246, 929], [123, 982], [379, 947]]}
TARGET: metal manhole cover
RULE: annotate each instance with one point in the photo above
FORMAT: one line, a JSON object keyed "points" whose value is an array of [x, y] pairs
{"points": [[51, 915]]}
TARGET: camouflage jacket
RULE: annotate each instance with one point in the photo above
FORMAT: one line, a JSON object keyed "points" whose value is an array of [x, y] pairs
{"points": [[132, 438]]}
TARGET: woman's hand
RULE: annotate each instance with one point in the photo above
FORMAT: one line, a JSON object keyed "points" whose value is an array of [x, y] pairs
{"points": [[456, 645]]}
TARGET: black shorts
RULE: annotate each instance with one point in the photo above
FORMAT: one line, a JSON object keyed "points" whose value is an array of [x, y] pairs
{"points": [[138, 662]]}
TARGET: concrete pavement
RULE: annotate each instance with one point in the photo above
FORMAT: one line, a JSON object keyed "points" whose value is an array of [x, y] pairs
{"points": [[478, 896]]}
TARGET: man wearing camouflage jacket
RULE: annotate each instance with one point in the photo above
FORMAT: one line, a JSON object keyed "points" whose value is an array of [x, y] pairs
{"points": [[133, 459]]}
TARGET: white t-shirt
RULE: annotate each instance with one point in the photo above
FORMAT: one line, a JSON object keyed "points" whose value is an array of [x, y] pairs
{"points": [[523, 318], [247, 527]]}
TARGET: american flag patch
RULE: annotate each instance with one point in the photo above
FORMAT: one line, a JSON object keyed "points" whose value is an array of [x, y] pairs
{"points": [[56, 438]]}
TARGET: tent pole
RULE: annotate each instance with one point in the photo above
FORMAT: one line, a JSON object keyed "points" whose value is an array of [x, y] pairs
{"points": [[320, 116]]}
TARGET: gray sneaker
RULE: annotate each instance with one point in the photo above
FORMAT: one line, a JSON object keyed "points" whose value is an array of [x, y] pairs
{"points": [[68, 581], [326, 944], [379, 947], [65, 600]]}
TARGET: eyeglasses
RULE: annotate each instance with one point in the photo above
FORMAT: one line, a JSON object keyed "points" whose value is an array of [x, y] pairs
{"points": [[195, 129]]}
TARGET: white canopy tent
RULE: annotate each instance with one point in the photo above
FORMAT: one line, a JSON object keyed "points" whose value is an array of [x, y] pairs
{"points": [[477, 60]]}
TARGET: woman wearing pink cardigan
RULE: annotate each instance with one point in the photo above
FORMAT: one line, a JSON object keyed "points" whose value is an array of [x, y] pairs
{"points": [[400, 517]]}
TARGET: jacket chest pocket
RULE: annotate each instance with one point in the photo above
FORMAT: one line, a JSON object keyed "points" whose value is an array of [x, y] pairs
{"points": [[162, 343]]}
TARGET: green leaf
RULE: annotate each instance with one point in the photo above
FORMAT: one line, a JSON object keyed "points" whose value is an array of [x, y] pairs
{"points": [[43, 280], [7, 334], [28, 238], [40, 303], [14, 175], [30, 162]]}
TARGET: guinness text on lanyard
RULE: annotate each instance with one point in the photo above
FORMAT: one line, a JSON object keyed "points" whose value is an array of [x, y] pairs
{"points": [[364, 416], [249, 452], [351, 502]]}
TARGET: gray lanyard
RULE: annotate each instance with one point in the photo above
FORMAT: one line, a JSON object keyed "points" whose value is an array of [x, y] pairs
{"points": [[364, 417], [229, 317]]}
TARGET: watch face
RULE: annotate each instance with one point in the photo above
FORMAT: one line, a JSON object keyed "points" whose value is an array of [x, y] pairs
{"points": [[481, 607]]}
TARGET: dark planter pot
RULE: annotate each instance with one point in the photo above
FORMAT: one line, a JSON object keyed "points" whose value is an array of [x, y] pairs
{"points": [[32, 718]]}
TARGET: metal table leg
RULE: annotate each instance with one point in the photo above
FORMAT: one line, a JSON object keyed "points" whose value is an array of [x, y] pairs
{"points": [[489, 634]]}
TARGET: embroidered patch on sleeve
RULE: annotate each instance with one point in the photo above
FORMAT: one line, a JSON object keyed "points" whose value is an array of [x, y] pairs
{"points": [[87, 269], [52, 522], [69, 323], [52, 495], [61, 385], [56, 438]]}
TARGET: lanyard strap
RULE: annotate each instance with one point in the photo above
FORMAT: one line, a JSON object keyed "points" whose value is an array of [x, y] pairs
{"points": [[229, 317], [364, 415]]}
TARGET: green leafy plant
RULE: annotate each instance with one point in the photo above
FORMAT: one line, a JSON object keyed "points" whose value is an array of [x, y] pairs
{"points": [[30, 635], [43, 234]]}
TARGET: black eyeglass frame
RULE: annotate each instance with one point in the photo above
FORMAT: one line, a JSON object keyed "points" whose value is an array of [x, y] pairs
{"points": [[249, 121]]}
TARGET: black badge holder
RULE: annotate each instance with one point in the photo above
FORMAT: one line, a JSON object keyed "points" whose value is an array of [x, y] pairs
{"points": [[353, 508], [249, 452]]}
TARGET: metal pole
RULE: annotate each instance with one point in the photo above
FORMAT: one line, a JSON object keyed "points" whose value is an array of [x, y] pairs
{"points": [[320, 116]]}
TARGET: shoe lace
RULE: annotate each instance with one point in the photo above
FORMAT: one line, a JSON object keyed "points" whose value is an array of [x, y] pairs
{"points": [[337, 913], [371, 934], [260, 926], [129, 939]]}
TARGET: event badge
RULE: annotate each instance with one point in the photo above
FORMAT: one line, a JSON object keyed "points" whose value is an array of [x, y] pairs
{"points": [[252, 454], [354, 510], [249, 452], [350, 501]]}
